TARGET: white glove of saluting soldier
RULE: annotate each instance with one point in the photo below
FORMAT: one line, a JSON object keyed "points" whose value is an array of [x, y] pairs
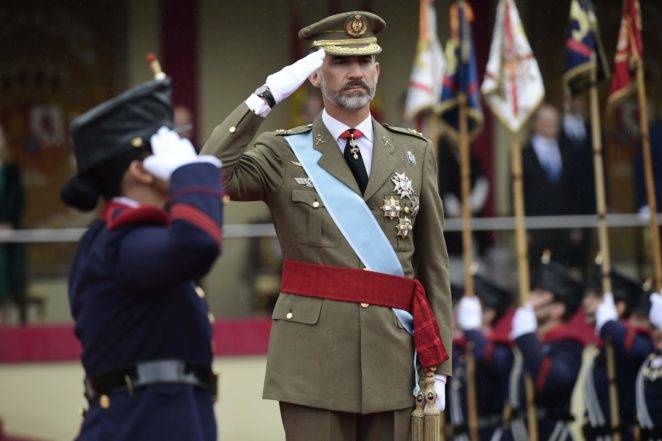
{"points": [[169, 152], [469, 313], [605, 312], [286, 81], [655, 314], [524, 322]]}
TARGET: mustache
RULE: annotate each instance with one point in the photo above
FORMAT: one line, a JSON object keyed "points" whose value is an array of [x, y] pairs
{"points": [[356, 83]]}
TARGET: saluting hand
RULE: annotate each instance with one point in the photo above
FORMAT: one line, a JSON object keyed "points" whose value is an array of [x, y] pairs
{"points": [[524, 321], [605, 312], [169, 152], [655, 313], [469, 313], [284, 82]]}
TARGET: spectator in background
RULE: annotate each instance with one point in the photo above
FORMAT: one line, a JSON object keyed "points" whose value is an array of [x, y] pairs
{"points": [[576, 145], [12, 255], [640, 181], [546, 183], [450, 190]]}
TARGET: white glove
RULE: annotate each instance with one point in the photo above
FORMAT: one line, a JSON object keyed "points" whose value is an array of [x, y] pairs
{"points": [[169, 152], [440, 389], [605, 312], [655, 313], [284, 82], [524, 321], [452, 206], [469, 313]]}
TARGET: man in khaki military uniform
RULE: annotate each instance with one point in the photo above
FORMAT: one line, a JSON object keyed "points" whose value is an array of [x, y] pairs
{"points": [[343, 370]]}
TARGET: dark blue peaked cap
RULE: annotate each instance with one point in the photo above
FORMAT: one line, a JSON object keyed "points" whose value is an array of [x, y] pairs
{"points": [[557, 279], [121, 124]]}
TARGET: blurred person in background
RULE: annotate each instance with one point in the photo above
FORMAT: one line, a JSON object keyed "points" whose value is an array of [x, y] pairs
{"points": [[621, 318], [546, 183], [576, 145], [649, 379], [450, 185], [12, 255]]}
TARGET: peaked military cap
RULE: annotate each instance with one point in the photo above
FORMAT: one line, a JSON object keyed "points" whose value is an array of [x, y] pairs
{"points": [[491, 295], [624, 289], [349, 33], [557, 279], [121, 124]]}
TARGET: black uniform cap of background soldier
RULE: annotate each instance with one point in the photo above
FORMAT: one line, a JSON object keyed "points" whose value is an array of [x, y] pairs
{"points": [[110, 136], [626, 290], [555, 278], [492, 296]]}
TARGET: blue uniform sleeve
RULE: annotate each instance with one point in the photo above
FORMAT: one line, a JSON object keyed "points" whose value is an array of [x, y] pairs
{"points": [[550, 371], [627, 341], [150, 256], [495, 357]]}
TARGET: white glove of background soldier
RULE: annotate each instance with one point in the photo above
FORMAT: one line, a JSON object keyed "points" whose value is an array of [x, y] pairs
{"points": [[287, 80], [605, 312], [169, 152], [440, 389], [524, 321], [655, 313], [469, 313]]}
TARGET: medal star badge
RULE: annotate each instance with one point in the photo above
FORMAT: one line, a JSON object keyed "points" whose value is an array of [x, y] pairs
{"points": [[403, 185], [404, 227], [391, 207]]}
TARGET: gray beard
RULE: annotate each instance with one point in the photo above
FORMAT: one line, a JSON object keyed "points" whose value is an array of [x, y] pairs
{"points": [[354, 101]]}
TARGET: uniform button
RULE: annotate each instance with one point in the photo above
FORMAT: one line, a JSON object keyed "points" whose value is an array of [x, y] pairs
{"points": [[211, 318], [316, 204], [233, 129], [200, 292], [289, 315], [104, 401], [364, 305], [406, 209]]}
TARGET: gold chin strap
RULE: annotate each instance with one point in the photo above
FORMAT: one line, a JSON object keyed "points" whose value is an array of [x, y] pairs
{"points": [[346, 42]]}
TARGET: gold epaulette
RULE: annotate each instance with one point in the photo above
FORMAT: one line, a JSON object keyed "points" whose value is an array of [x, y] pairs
{"points": [[406, 131], [294, 130]]}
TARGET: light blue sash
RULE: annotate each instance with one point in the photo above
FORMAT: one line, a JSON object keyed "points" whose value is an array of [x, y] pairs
{"points": [[352, 216]]}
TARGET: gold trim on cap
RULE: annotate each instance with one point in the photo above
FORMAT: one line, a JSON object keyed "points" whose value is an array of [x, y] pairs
{"points": [[370, 49], [345, 42]]}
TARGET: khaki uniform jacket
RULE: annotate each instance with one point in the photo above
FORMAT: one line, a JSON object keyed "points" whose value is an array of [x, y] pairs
{"points": [[337, 355]]}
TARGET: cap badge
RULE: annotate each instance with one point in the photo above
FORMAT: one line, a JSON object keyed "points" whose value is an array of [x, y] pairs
{"points": [[137, 142], [356, 25]]}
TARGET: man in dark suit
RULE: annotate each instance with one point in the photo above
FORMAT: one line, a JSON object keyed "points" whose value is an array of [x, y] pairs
{"points": [[546, 179], [576, 145]]}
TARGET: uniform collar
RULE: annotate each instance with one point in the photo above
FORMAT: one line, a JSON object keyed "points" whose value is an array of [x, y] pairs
{"points": [[336, 128], [123, 200]]}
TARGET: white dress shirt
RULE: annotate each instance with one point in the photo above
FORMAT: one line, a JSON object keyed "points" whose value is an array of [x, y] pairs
{"points": [[549, 155], [336, 128]]}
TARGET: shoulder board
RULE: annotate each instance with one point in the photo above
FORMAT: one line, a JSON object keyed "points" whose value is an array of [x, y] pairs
{"points": [[295, 130], [405, 131]]}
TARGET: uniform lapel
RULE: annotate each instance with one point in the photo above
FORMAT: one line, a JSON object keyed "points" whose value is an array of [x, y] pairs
{"points": [[383, 161], [332, 160]]}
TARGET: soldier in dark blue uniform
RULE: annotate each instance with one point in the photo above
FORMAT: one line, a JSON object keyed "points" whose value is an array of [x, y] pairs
{"points": [[550, 351], [615, 321], [143, 326], [649, 380], [485, 323]]}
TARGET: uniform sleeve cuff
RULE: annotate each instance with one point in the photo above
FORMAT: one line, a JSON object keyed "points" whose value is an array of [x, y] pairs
{"points": [[258, 105]]}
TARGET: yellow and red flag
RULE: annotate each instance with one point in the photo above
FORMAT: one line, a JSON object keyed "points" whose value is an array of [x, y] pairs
{"points": [[629, 52]]}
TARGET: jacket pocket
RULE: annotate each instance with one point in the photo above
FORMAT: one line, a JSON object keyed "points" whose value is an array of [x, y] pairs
{"points": [[309, 205], [298, 309]]}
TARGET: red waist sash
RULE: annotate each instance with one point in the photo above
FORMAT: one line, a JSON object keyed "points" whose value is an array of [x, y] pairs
{"points": [[359, 286]]}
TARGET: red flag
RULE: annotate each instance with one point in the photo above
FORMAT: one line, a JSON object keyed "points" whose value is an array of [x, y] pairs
{"points": [[629, 52]]}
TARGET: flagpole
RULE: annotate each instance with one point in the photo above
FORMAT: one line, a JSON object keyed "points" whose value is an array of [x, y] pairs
{"points": [[467, 255], [648, 174], [523, 267]]}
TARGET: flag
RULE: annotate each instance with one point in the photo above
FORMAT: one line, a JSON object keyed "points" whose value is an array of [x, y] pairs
{"points": [[513, 86], [629, 51], [427, 74], [461, 76], [583, 49]]}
